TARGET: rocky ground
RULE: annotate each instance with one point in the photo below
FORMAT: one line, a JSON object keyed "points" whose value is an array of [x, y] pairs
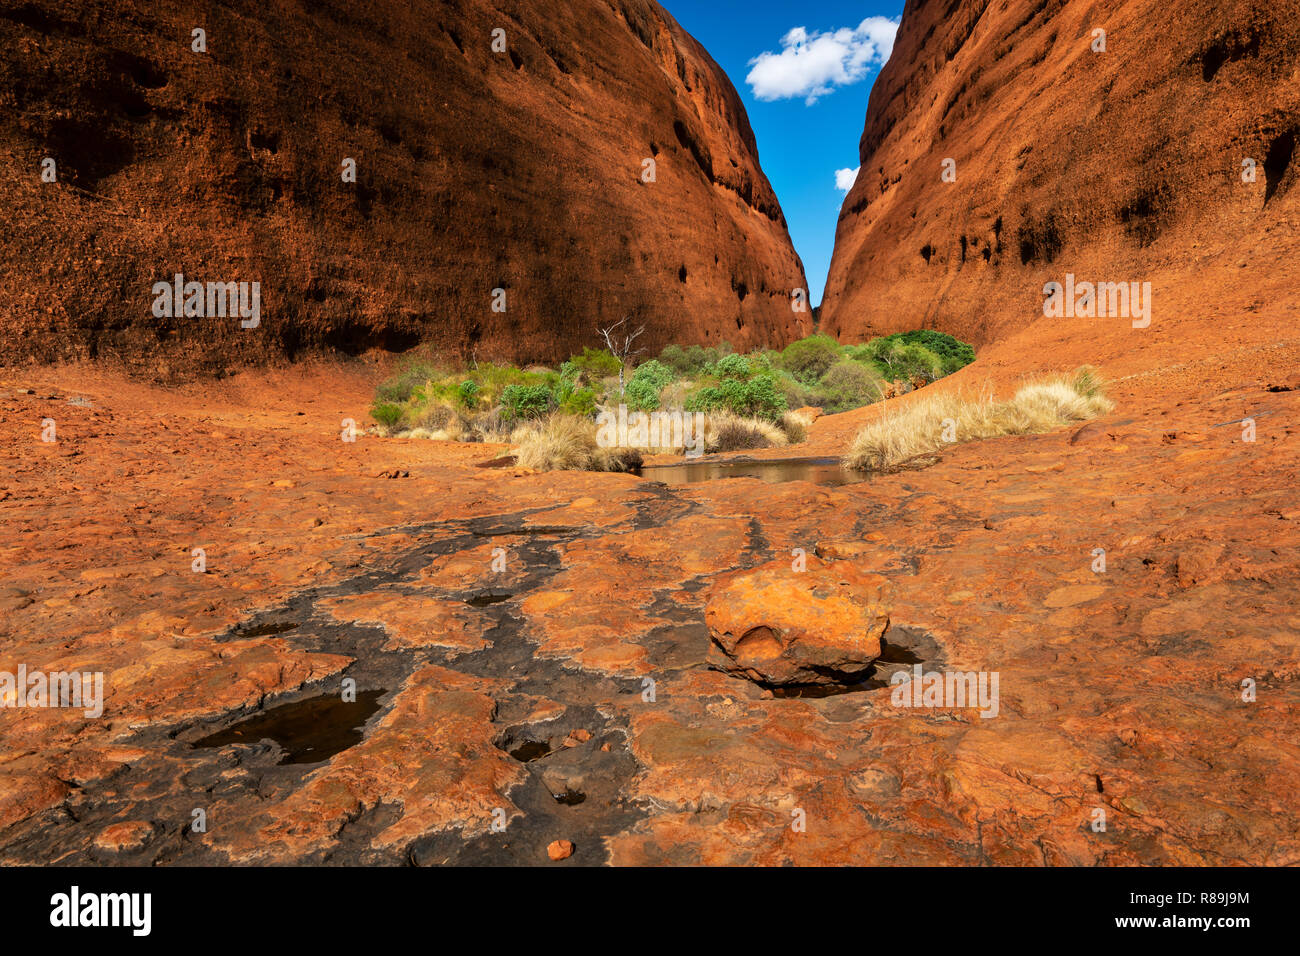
{"points": [[561, 685]]}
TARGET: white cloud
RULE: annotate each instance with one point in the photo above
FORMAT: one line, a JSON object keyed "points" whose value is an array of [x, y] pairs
{"points": [[813, 64], [845, 178]]}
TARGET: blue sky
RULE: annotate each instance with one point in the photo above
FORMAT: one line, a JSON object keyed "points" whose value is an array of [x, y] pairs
{"points": [[806, 96]]}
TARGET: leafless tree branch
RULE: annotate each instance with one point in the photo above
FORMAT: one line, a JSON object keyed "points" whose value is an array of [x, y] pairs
{"points": [[620, 345]]}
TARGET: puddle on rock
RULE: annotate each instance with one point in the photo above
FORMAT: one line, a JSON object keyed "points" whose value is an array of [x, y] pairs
{"points": [[487, 598], [570, 798], [819, 471], [308, 731], [530, 750]]}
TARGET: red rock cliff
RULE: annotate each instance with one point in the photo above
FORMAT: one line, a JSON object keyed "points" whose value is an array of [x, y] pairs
{"points": [[476, 170], [1119, 166]]}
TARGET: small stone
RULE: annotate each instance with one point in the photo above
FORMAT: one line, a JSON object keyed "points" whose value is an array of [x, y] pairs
{"points": [[577, 737], [559, 850], [1073, 594], [124, 837]]}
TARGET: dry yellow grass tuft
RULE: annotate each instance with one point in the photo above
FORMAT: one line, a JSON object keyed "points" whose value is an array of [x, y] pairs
{"points": [[724, 431], [925, 427], [795, 427], [568, 443]]}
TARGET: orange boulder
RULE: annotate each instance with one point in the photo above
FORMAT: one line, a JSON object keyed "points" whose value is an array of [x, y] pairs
{"points": [[778, 625]]}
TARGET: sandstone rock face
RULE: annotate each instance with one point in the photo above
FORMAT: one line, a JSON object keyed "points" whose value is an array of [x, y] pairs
{"points": [[522, 170], [777, 625], [1122, 165]]}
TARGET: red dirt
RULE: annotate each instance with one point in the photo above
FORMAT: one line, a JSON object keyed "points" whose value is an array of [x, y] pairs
{"points": [[1131, 677]]}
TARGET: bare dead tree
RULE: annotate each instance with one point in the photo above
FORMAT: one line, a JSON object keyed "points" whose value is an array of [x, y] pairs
{"points": [[619, 342]]}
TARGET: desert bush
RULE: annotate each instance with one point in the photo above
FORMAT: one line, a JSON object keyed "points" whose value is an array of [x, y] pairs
{"points": [[431, 416], [848, 384], [412, 373], [809, 358], [573, 399], [926, 426], [387, 414], [526, 401], [895, 359], [731, 366], [467, 393], [757, 397], [797, 394], [568, 443], [953, 353], [645, 385], [641, 396], [492, 425], [691, 360], [595, 363], [655, 372]]}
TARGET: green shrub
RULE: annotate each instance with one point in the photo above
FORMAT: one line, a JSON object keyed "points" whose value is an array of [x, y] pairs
{"points": [[596, 363], [848, 384], [809, 358], [731, 366], [641, 396], [571, 398], [387, 414], [865, 353], [656, 373], [942, 354], [398, 388], [756, 397], [694, 359], [467, 393], [895, 359], [797, 394], [526, 401], [581, 401], [677, 358], [643, 388], [953, 353]]}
